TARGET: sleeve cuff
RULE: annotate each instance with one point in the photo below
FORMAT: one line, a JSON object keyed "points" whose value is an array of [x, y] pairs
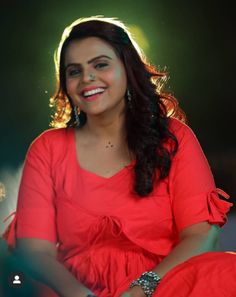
{"points": [[212, 210]]}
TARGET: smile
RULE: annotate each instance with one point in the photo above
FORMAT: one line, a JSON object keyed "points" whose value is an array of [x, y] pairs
{"points": [[93, 94]]}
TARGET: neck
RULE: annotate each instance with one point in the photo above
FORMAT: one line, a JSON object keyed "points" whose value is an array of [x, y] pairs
{"points": [[106, 127]]}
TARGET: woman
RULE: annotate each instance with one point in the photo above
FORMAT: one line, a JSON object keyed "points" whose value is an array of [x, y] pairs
{"points": [[121, 193]]}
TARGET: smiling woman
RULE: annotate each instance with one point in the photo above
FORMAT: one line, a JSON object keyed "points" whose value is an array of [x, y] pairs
{"points": [[106, 94], [118, 199]]}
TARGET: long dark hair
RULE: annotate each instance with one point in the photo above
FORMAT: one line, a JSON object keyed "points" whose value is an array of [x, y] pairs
{"points": [[147, 115]]}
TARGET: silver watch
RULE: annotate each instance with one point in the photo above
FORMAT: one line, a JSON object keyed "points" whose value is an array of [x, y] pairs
{"points": [[148, 281]]}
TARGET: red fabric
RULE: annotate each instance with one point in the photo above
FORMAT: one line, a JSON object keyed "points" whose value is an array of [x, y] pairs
{"points": [[208, 275], [107, 236]]}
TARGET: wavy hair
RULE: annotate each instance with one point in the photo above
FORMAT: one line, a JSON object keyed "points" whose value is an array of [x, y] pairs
{"points": [[146, 117]]}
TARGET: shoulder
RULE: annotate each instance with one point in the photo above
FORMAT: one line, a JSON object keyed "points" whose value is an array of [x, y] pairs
{"points": [[51, 136], [50, 141], [181, 130], [189, 148], [178, 127]]}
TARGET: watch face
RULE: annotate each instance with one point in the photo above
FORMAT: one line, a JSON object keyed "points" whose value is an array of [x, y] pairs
{"points": [[151, 283], [149, 280]]}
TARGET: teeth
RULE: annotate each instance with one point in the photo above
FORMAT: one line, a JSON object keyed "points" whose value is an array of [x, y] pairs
{"points": [[92, 92]]}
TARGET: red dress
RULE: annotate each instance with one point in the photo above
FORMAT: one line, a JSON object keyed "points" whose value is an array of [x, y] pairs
{"points": [[107, 235]]}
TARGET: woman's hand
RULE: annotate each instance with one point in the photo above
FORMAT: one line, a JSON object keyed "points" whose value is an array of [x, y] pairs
{"points": [[136, 291]]}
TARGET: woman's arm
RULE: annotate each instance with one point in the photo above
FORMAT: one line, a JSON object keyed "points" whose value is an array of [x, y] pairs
{"points": [[195, 240], [40, 261], [194, 198]]}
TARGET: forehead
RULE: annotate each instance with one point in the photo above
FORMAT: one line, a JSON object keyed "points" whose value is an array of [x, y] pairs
{"points": [[81, 51]]}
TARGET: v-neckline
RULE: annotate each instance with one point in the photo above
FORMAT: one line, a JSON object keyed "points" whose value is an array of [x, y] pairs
{"points": [[93, 174]]}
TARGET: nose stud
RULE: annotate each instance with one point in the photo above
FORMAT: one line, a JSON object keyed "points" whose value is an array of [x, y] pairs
{"points": [[92, 77]]}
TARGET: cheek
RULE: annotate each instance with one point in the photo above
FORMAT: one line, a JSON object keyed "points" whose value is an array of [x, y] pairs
{"points": [[71, 87], [118, 78]]}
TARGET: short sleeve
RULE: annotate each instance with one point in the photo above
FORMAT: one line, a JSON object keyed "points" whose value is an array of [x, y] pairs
{"points": [[194, 195], [35, 213]]}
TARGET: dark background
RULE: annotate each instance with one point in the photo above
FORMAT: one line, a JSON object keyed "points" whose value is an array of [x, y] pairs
{"points": [[195, 40]]}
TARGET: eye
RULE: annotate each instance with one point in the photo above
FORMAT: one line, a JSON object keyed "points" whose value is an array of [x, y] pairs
{"points": [[71, 72], [101, 65]]}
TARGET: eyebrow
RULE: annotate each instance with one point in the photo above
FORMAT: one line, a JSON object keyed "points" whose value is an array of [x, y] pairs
{"points": [[90, 61]]}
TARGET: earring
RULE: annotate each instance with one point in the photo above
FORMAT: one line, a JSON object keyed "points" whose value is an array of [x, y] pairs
{"points": [[76, 114], [129, 98]]}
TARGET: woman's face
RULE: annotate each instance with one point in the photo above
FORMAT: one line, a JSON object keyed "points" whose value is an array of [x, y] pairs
{"points": [[94, 57]]}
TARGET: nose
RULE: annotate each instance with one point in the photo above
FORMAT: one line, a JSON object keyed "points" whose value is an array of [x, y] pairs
{"points": [[88, 76]]}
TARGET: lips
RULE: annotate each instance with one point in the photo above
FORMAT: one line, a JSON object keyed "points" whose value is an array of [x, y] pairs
{"points": [[91, 91], [92, 97]]}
